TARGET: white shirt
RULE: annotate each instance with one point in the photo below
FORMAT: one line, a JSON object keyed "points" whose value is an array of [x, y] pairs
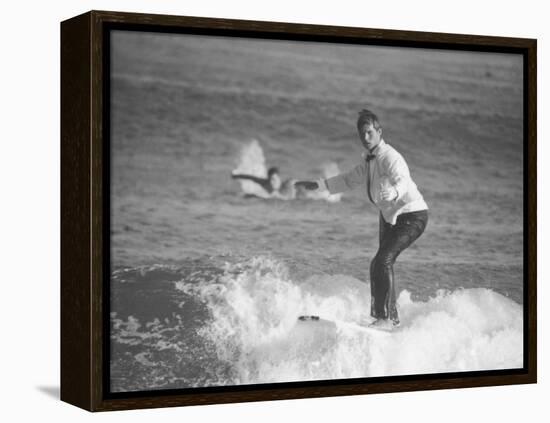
{"points": [[388, 168]]}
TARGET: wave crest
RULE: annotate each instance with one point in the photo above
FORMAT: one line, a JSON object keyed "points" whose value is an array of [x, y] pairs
{"points": [[254, 307]]}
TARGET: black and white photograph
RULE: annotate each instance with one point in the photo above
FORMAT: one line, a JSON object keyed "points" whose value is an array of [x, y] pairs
{"points": [[295, 211], [275, 211]]}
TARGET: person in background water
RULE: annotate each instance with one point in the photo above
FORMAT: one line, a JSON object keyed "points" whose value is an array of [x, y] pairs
{"points": [[270, 184], [273, 186], [403, 213]]}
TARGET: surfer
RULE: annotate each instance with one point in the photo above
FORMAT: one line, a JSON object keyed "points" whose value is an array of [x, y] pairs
{"points": [[403, 213]]}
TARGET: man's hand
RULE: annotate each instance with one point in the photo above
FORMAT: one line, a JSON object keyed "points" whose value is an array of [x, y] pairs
{"points": [[388, 193], [307, 185]]}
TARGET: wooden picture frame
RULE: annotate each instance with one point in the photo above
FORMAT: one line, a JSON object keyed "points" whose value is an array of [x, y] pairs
{"points": [[85, 240]]}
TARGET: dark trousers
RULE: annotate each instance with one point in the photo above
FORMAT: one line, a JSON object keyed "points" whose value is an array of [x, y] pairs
{"points": [[393, 240]]}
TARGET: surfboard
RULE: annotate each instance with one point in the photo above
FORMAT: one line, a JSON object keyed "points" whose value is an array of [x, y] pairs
{"points": [[316, 321]]}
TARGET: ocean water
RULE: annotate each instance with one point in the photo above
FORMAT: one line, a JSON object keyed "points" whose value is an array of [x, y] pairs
{"points": [[207, 281], [206, 324]]}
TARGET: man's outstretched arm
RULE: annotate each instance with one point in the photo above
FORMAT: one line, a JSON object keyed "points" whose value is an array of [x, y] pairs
{"points": [[339, 183], [348, 180]]}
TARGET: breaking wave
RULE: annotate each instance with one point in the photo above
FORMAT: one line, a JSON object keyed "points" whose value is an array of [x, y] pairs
{"points": [[253, 308]]}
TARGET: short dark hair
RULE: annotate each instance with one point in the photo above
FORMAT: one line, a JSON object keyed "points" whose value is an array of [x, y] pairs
{"points": [[367, 117], [271, 171]]}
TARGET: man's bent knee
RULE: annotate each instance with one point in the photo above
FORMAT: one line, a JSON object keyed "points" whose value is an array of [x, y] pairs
{"points": [[384, 260]]}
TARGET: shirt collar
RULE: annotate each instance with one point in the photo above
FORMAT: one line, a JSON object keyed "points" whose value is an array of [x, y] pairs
{"points": [[379, 147], [376, 151]]}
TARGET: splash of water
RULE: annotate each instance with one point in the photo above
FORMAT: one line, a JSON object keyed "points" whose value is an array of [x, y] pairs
{"points": [[254, 328], [252, 162]]}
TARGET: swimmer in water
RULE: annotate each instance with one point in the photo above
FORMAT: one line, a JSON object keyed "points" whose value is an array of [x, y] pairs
{"points": [[270, 184], [273, 187]]}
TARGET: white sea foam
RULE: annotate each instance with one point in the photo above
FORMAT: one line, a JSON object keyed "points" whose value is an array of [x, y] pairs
{"points": [[152, 334], [255, 304], [252, 162]]}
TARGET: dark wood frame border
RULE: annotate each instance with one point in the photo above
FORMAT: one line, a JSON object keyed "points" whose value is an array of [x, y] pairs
{"points": [[83, 244]]}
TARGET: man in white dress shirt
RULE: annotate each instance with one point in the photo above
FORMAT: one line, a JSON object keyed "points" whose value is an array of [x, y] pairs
{"points": [[385, 176]]}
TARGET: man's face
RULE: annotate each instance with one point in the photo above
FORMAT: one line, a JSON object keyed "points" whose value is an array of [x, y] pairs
{"points": [[275, 181], [369, 136]]}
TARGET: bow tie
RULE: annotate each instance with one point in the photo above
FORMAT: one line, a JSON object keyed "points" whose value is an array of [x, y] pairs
{"points": [[370, 157]]}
